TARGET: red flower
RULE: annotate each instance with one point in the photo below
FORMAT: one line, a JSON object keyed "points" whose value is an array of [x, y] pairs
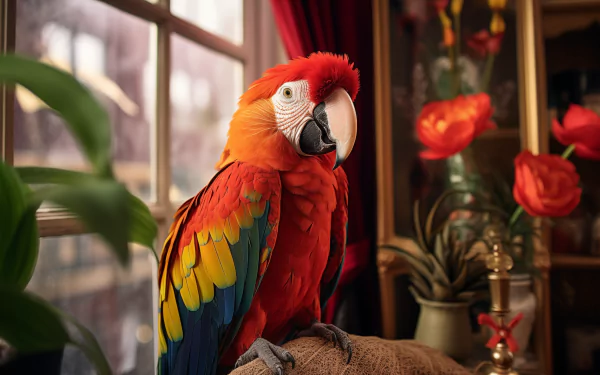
{"points": [[545, 185], [483, 43], [581, 126], [446, 127], [439, 5]]}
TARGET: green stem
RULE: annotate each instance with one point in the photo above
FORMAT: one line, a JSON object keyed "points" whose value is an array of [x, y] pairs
{"points": [[457, 81], [451, 57], [565, 155], [515, 216], [487, 73]]}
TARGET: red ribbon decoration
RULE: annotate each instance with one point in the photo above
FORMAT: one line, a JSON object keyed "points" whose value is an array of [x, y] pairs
{"points": [[503, 332]]}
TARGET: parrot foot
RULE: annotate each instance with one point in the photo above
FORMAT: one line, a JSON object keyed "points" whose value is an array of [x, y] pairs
{"points": [[331, 333], [273, 356]]}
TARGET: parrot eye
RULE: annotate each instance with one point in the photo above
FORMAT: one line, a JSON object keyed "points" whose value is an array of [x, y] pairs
{"points": [[287, 92]]}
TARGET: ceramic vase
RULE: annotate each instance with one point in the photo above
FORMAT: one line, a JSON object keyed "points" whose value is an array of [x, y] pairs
{"points": [[445, 326], [522, 300]]}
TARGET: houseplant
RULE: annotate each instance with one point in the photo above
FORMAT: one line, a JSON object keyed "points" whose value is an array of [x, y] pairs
{"points": [[544, 185], [447, 274], [36, 331]]}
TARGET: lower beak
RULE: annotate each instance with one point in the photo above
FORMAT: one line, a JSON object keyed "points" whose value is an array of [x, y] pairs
{"points": [[333, 127]]}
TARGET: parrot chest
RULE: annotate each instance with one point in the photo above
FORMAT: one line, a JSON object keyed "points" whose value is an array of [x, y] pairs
{"points": [[303, 244]]}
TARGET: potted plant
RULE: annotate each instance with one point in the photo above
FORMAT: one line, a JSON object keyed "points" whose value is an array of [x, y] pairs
{"points": [[33, 333], [447, 275]]}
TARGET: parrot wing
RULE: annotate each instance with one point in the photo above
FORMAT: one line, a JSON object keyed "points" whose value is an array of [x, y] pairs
{"points": [[339, 223], [214, 257]]}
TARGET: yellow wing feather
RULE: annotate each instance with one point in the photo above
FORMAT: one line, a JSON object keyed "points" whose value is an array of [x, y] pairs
{"points": [[171, 315], [162, 343], [176, 276], [243, 217], [190, 293], [207, 290], [216, 229], [232, 230]]}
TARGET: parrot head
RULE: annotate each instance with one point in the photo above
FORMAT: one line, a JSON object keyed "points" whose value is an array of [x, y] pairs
{"points": [[296, 110]]}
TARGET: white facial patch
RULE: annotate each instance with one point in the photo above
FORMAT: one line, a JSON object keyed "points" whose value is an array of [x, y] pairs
{"points": [[293, 109]]}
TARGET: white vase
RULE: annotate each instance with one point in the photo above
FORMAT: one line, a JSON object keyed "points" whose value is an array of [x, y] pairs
{"points": [[522, 300]]}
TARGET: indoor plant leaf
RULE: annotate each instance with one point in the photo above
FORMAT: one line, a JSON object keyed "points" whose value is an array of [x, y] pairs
{"points": [[440, 251], [421, 284], [86, 118], [143, 229], [48, 175], [459, 283], [29, 323], [439, 273], [421, 240], [20, 259], [87, 343], [415, 262], [102, 206], [12, 206]]}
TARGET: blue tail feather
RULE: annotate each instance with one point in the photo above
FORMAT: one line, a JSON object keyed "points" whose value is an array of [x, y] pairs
{"points": [[229, 300], [240, 260]]}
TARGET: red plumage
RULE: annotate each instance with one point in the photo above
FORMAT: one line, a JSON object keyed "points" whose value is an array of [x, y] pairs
{"points": [[323, 71], [306, 222], [302, 256]]}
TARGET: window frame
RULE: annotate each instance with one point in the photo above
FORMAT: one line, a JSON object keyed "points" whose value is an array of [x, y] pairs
{"points": [[255, 56], [260, 49]]}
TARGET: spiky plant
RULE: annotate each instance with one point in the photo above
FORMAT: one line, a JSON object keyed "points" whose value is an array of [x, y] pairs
{"points": [[447, 264]]}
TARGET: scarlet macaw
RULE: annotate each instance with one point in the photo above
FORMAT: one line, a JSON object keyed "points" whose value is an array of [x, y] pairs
{"points": [[251, 260]]}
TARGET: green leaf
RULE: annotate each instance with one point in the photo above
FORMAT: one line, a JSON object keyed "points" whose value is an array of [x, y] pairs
{"points": [[46, 175], [30, 324], [416, 263], [88, 344], [421, 241], [102, 205], [12, 206], [143, 229], [19, 262], [439, 273], [85, 117], [421, 284]]}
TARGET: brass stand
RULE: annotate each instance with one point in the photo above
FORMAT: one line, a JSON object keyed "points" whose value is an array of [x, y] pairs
{"points": [[499, 263]]}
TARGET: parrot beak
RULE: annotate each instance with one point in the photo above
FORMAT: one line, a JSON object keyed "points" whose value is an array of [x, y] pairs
{"points": [[333, 127]]}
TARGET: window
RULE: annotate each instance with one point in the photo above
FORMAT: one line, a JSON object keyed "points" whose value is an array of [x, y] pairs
{"points": [[169, 74]]}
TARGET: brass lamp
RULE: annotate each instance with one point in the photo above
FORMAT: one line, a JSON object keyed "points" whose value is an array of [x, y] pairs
{"points": [[499, 263]]}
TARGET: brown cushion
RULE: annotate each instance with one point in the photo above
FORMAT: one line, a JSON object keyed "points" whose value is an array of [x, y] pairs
{"points": [[372, 355]]}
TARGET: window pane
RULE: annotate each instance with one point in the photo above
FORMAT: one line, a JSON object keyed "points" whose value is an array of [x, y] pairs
{"points": [[205, 87], [222, 17], [113, 54], [80, 276]]}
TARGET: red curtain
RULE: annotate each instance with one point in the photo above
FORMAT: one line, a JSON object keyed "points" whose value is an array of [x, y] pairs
{"points": [[345, 27]]}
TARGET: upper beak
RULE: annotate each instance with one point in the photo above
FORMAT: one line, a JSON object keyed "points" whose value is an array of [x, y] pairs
{"points": [[333, 127]]}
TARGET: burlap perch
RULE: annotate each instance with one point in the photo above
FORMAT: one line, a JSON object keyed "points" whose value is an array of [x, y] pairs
{"points": [[372, 355]]}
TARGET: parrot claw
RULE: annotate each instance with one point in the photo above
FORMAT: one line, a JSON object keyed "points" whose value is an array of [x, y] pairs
{"points": [[273, 356], [330, 333]]}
